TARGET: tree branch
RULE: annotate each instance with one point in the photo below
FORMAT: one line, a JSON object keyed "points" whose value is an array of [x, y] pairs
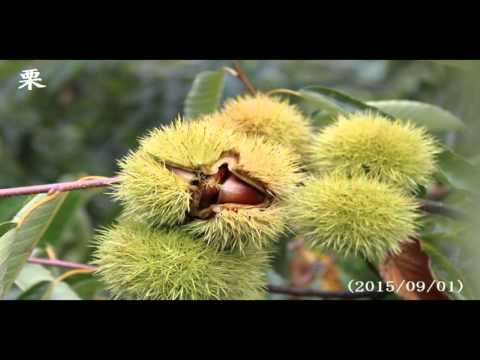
{"points": [[435, 207], [64, 186], [243, 77], [438, 192], [60, 263], [429, 206]]}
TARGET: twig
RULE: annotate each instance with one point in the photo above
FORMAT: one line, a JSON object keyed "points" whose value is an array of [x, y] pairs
{"points": [[435, 207], [243, 78], [429, 206], [438, 192], [60, 263], [277, 289], [64, 186], [70, 273]]}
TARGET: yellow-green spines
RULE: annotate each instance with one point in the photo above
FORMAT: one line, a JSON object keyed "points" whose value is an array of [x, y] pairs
{"points": [[244, 228], [354, 215], [366, 144], [154, 194], [150, 192], [198, 145], [141, 263], [268, 116]]}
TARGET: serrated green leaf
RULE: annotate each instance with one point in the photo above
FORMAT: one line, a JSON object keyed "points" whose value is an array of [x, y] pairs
{"points": [[18, 243], [443, 270], [33, 274], [36, 292], [205, 94], [336, 102], [432, 117], [6, 242], [458, 172]]}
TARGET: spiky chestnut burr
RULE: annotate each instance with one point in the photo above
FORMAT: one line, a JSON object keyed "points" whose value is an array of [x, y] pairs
{"points": [[270, 117], [358, 216], [395, 152], [224, 187], [138, 262]]}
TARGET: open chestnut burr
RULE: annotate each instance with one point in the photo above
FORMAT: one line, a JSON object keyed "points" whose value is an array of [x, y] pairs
{"points": [[221, 187]]}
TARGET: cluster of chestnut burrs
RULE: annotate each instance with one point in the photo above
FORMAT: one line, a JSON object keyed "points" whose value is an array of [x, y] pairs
{"points": [[205, 200]]}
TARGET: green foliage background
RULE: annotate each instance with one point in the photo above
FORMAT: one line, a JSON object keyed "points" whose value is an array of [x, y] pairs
{"points": [[92, 112]]}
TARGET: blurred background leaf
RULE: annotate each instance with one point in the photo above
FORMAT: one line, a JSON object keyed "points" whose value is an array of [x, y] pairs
{"points": [[458, 172], [334, 101], [205, 94], [432, 117]]}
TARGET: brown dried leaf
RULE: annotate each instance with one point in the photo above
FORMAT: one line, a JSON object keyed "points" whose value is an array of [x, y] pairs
{"points": [[411, 264], [330, 277], [301, 268]]}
